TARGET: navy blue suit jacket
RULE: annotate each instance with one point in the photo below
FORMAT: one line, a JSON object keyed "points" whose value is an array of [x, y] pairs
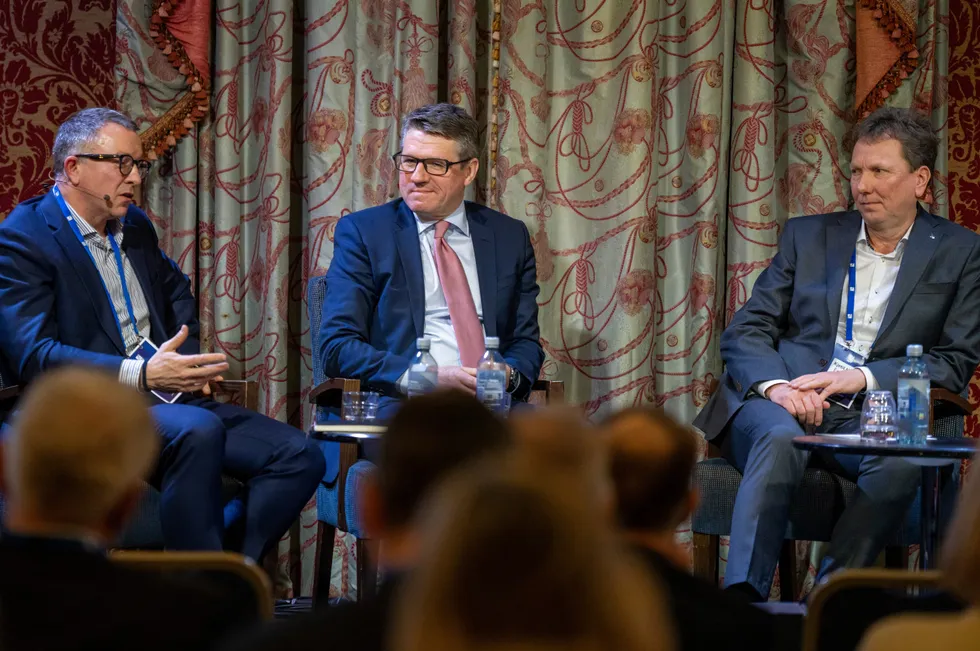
{"points": [[374, 308], [789, 325], [53, 307]]}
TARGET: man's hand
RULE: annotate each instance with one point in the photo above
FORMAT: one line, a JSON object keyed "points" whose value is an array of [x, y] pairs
{"points": [[458, 377], [168, 370], [830, 382], [805, 405]]}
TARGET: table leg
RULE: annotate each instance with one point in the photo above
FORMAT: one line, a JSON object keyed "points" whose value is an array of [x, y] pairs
{"points": [[929, 519]]}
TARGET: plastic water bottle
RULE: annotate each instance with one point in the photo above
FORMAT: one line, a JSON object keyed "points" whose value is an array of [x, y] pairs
{"points": [[913, 398], [491, 379], [423, 374]]}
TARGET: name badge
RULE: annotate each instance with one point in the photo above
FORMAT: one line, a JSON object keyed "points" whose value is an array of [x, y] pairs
{"points": [[144, 351], [845, 359]]}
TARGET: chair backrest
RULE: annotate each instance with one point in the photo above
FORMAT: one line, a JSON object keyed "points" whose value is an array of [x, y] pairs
{"points": [[234, 572], [316, 289], [846, 606]]}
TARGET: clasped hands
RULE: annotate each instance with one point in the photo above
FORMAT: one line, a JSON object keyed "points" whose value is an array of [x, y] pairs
{"points": [[805, 398], [462, 378], [168, 370]]}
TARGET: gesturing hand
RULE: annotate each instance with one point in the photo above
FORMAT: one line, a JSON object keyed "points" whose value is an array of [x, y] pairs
{"points": [[458, 377], [168, 370], [805, 405], [830, 382]]}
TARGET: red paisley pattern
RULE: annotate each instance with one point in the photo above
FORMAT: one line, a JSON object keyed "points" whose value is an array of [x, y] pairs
{"points": [[56, 57]]}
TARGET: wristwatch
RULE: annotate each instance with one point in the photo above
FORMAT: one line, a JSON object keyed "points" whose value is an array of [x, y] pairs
{"points": [[513, 380]]}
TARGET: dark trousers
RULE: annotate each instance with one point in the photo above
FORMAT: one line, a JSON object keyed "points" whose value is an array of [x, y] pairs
{"points": [[759, 443], [203, 438]]}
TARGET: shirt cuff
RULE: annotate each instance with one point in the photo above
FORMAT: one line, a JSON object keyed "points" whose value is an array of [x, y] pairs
{"points": [[130, 372], [762, 387], [869, 378]]}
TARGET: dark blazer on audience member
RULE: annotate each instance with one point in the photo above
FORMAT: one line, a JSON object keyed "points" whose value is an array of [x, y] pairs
{"points": [[56, 594], [361, 626], [706, 617]]}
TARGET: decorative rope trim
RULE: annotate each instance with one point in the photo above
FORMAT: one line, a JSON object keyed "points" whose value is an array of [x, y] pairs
{"points": [[176, 123], [494, 139], [900, 29]]}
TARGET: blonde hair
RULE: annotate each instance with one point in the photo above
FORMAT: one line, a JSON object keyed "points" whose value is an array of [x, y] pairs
{"points": [[960, 557], [519, 558], [80, 441]]}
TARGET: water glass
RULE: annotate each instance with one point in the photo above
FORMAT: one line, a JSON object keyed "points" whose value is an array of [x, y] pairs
{"points": [[879, 422], [351, 406], [369, 405]]}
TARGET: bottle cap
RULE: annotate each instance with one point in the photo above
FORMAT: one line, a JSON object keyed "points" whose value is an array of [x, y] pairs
{"points": [[493, 342], [914, 350], [423, 343]]}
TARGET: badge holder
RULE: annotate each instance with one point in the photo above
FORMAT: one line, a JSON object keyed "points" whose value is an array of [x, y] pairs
{"points": [[845, 359]]}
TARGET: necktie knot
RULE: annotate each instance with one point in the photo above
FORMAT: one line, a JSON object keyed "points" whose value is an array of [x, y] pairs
{"points": [[441, 227]]}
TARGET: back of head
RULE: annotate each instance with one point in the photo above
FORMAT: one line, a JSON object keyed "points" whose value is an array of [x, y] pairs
{"points": [[960, 558], [651, 463], [515, 561], [428, 438], [80, 444]]}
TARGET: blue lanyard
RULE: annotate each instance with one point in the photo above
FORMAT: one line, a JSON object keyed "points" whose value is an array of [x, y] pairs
{"points": [[851, 288], [119, 267]]}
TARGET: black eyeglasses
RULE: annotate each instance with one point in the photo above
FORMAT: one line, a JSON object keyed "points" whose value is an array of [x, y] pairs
{"points": [[433, 166], [126, 163]]}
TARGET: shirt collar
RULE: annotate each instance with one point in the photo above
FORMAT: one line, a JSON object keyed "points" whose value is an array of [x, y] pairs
{"points": [[457, 218], [112, 226], [863, 235]]}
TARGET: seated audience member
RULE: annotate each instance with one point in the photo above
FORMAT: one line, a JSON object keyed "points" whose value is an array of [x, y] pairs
{"points": [[960, 565], [829, 319], [427, 439], [518, 556], [72, 471], [651, 462], [430, 265], [83, 280]]}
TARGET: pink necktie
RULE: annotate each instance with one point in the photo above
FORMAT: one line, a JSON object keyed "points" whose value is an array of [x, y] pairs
{"points": [[462, 311]]}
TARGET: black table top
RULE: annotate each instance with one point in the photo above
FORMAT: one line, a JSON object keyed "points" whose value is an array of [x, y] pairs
{"points": [[341, 431], [953, 448]]}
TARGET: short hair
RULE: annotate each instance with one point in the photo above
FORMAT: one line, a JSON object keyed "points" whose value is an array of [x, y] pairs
{"points": [[428, 438], [651, 463], [912, 129], [77, 132], [960, 557], [79, 443], [446, 121]]}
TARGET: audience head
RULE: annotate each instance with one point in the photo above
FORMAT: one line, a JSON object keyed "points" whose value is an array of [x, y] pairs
{"points": [[77, 453], [515, 560], [87, 181], [651, 463], [960, 558], [448, 137], [428, 438], [891, 165]]}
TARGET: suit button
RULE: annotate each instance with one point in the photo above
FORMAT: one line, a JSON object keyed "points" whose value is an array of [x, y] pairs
{"points": [[823, 362]]}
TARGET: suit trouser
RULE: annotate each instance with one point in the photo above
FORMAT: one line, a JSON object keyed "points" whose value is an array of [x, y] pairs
{"points": [[759, 444], [203, 438]]}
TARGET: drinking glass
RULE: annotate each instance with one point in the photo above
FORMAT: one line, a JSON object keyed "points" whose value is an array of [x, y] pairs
{"points": [[369, 405], [878, 420], [351, 406]]}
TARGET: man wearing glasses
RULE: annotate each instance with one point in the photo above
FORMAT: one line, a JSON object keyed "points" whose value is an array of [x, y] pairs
{"points": [[83, 281], [431, 265]]}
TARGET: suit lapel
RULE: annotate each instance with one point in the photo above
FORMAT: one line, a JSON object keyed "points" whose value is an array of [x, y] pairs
{"points": [[407, 240], [137, 258], [485, 252], [841, 238], [85, 270], [919, 249]]}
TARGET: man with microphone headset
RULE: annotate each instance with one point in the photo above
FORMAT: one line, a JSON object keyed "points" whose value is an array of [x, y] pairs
{"points": [[83, 281]]}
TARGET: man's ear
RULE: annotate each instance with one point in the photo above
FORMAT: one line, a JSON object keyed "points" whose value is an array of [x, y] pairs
{"points": [[922, 177], [371, 506], [472, 167]]}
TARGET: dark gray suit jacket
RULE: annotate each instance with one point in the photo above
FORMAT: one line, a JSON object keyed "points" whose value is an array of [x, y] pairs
{"points": [[789, 325]]}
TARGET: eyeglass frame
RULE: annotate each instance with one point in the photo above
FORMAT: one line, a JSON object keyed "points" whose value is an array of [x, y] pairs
{"points": [[425, 163], [138, 163]]}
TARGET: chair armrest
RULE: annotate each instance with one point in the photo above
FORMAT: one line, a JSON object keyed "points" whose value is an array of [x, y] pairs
{"points": [[239, 392], [319, 393], [553, 391], [937, 394]]}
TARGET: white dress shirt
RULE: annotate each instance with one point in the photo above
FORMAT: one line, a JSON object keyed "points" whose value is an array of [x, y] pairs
{"points": [[875, 276], [438, 326]]}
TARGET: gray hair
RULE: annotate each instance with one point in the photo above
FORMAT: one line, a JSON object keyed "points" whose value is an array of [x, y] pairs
{"points": [[911, 128], [80, 129], [446, 121]]}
